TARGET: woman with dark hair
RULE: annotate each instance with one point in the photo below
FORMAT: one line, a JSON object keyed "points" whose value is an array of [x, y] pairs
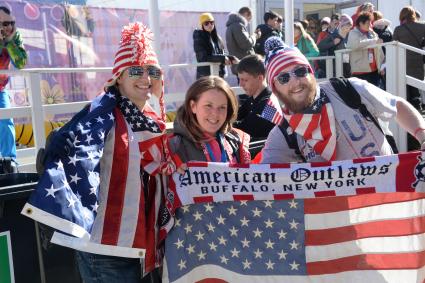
{"points": [[365, 62], [203, 126], [304, 41], [412, 32], [209, 46]]}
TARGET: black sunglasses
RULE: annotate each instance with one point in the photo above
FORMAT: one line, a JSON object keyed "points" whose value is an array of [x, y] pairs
{"points": [[207, 23], [137, 72], [5, 24], [301, 72]]}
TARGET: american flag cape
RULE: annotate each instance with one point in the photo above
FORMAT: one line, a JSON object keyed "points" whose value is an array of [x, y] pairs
{"points": [[377, 237], [272, 111], [95, 193]]}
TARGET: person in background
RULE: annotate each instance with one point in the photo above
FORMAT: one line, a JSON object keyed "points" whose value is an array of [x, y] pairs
{"points": [[324, 29], [325, 33], [412, 32], [312, 28], [209, 46], [338, 40], [280, 28], [381, 27], [304, 41], [268, 29], [365, 63], [239, 42], [252, 75], [12, 51], [365, 7]]}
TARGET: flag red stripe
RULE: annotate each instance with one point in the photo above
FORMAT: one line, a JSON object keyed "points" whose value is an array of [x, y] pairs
{"points": [[295, 120], [334, 204], [279, 165], [140, 238], [117, 183], [325, 194], [364, 159], [314, 122], [368, 262], [203, 199], [283, 196], [369, 190], [325, 129], [243, 197], [383, 228]]}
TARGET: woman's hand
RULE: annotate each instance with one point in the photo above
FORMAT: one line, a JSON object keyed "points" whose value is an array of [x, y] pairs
{"points": [[182, 169]]}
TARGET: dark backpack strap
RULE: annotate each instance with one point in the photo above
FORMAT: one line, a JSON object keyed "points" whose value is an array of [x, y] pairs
{"points": [[234, 141], [291, 139], [351, 98]]}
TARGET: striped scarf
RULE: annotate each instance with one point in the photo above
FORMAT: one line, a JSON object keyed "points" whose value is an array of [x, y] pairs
{"points": [[316, 125]]}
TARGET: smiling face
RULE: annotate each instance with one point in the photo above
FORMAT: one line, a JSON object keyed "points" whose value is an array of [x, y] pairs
{"points": [[298, 93], [136, 86], [210, 110]]}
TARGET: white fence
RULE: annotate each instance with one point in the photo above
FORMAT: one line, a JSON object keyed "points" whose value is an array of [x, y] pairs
{"points": [[396, 84]]}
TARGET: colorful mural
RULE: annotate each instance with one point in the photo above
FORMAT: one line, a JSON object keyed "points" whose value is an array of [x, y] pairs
{"points": [[57, 35]]}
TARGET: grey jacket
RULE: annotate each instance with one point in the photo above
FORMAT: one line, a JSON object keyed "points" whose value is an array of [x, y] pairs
{"points": [[359, 58], [239, 42], [414, 62]]}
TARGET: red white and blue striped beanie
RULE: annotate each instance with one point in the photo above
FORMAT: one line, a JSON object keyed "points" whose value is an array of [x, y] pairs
{"points": [[135, 49], [279, 57]]}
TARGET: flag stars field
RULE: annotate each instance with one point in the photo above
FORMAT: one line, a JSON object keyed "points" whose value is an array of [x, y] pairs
{"points": [[200, 236], [197, 216], [232, 210]]}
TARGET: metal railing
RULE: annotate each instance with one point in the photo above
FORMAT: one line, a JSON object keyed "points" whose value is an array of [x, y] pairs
{"points": [[396, 78]]}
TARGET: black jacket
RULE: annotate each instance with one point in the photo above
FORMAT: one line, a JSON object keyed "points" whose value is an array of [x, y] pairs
{"points": [[266, 32], [208, 50], [249, 116]]}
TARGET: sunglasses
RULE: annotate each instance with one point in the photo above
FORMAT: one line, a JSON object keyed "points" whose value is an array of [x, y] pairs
{"points": [[136, 72], [207, 23], [5, 24], [301, 72]]}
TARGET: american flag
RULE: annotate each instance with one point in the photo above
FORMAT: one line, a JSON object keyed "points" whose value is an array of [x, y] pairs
{"points": [[272, 110], [317, 125], [96, 191], [367, 238]]}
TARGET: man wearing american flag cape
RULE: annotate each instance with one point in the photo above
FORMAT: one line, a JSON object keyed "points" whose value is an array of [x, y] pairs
{"points": [[105, 178]]}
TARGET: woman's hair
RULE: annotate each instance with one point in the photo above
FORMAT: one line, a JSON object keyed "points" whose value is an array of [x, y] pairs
{"points": [[363, 17], [300, 27], [187, 119], [214, 35], [377, 15], [407, 14]]}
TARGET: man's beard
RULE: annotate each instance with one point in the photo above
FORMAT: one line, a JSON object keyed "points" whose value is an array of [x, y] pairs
{"points": [[295, 106]]}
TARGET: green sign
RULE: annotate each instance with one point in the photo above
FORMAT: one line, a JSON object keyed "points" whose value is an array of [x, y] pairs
{"points": [[6, 260]]}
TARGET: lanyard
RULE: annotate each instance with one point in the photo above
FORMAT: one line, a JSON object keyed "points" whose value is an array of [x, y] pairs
{"points": [[209, 152]]}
